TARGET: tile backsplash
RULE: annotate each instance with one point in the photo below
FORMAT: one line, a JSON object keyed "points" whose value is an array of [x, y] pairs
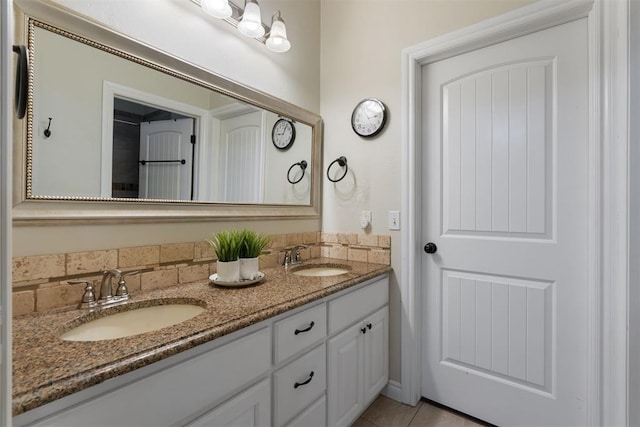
{"points": [[40, 282]]}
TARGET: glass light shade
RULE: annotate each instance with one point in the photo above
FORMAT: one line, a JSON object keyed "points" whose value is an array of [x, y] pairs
{"points": [[251, 23], [277, 40], [218, 8]]}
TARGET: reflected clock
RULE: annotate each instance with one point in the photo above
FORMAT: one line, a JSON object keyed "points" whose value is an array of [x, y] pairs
{"points": [[283, 134]]}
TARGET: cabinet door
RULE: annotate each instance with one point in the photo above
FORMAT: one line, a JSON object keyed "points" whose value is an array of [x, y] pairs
{"points": [[376, 354], [344, 353], [251, 408]]}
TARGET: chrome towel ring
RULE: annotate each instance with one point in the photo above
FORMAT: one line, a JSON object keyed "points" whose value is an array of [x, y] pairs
{"points": [[303, 166], [342, 162]]}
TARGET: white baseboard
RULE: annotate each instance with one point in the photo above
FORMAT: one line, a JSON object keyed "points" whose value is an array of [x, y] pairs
{"points": [[393, 390]]}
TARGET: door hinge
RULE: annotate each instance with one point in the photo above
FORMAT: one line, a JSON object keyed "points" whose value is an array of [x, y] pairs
{"points": [[193, 139]]}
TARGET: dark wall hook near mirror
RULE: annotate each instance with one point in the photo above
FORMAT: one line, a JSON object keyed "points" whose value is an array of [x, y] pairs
{"points": [[303, 166], [47, 131], [342, 162]]}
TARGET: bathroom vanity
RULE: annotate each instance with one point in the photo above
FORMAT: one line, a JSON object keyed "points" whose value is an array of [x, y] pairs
{"points": [[290, 351]]}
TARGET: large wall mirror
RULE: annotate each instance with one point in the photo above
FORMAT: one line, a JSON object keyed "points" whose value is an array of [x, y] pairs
{"points": [[116, 127]]}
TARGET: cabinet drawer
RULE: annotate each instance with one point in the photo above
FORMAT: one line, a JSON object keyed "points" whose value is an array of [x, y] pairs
{"points": [[346, 310], [197, 382], [300, 331], [295, 387], [314, 415]]}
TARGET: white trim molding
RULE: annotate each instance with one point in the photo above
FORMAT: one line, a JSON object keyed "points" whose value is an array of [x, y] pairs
{"points": [[608, 146]]}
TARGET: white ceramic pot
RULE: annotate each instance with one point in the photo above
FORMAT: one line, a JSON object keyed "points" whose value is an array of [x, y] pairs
{"points": [[249, 268], [229, 271]]}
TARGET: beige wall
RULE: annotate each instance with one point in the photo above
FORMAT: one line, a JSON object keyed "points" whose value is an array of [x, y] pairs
{"points": [[361, 44]]}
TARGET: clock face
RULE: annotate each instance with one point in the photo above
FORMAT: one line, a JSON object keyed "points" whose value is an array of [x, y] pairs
{"points": [[368, 117], [283, 134]]}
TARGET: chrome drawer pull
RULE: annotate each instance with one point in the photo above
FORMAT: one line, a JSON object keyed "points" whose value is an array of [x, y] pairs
{"points": [[297, 384], [299, 331]]}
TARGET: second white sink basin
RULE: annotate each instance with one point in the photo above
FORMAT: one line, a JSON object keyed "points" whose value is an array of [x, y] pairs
{"points": [[132, 322], [321, 271]]}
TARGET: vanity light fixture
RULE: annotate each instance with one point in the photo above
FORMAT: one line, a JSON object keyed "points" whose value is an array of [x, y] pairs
{"points": [[249, 22]]}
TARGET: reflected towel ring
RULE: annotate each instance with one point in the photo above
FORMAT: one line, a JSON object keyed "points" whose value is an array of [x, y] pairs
{"points": [[341, 161], [303, 166]]}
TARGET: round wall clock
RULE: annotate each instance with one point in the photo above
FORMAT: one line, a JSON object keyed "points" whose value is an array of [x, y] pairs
{"points": [[283, 134], [369, 117]]}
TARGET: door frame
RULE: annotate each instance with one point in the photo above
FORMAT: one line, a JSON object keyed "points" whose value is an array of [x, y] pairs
{"points": [[607, 397]]}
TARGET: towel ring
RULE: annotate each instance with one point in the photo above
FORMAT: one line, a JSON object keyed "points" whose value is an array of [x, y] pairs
{"points": [[303, 166], [342, 162]]}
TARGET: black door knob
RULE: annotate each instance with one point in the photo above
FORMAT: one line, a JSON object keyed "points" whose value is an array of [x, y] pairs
{"points": [[430, 248]]}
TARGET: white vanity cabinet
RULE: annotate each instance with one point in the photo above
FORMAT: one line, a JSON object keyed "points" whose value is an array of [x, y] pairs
{"points": [[357, 357], [316, 365]]}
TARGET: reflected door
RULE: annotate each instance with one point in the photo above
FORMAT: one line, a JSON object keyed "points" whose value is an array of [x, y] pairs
{"points": [[242, 158], [167, 153], [505, 201]]}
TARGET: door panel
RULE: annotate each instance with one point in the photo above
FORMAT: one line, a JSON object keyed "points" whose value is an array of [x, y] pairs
{"points": [[166, 140], [505, 195]]}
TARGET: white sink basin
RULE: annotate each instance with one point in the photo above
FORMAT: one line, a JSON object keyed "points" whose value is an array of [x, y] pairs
{"points": [[132, 322], [321, 271]]}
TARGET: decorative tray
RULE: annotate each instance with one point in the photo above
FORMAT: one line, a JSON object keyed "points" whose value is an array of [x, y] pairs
{"points": [[246, 282]]}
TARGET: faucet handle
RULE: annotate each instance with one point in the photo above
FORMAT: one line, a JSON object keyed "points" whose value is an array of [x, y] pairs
{"points": [[287, 257], [89, 297], [121, 290]]}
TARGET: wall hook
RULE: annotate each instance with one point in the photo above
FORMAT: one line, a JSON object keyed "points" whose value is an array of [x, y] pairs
{"points": [[47, 131], [342, 162]]}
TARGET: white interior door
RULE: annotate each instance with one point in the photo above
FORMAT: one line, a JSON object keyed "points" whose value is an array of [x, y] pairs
{"points": [[242, 155], [505, 192], [165, 146]]}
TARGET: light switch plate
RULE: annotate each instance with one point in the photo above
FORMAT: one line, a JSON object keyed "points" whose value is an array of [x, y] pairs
{"points": [[394, 220]]}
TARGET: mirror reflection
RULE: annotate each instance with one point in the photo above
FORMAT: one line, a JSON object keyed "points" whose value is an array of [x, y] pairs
{"points": [[105, 126]]}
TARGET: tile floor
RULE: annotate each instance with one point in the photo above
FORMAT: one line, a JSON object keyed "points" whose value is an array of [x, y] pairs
{"points": [[385, 412]]}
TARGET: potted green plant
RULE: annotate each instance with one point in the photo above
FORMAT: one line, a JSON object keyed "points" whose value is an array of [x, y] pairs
{"points": [[253, 245], [227, 245]]}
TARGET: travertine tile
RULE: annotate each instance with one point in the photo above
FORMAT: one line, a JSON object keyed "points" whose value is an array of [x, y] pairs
{"points": [[352, 238], [338, 252], [193, 273], [387, 412], [89, 262], [269, 260], [158, 279], [24, 302], [380, 256], [325, 251], [368, 239], [294, 239], [343, 238], [384, 241], [139, 256], [58, 296], [38, 267], [315, 251], [203, 250], [278, 241], [329, 237], [355, 254], [310, 238], [177, 252]]}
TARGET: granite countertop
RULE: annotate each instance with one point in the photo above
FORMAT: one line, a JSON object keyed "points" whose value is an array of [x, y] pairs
{"points": [[46, 368]]}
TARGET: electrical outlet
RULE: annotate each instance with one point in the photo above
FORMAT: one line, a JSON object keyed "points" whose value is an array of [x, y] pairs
{"points": [[394, 220]]}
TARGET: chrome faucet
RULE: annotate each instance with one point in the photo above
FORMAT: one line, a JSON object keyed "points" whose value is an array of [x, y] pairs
{"points": [[107, 296], [106, 287], [297, 259]]}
